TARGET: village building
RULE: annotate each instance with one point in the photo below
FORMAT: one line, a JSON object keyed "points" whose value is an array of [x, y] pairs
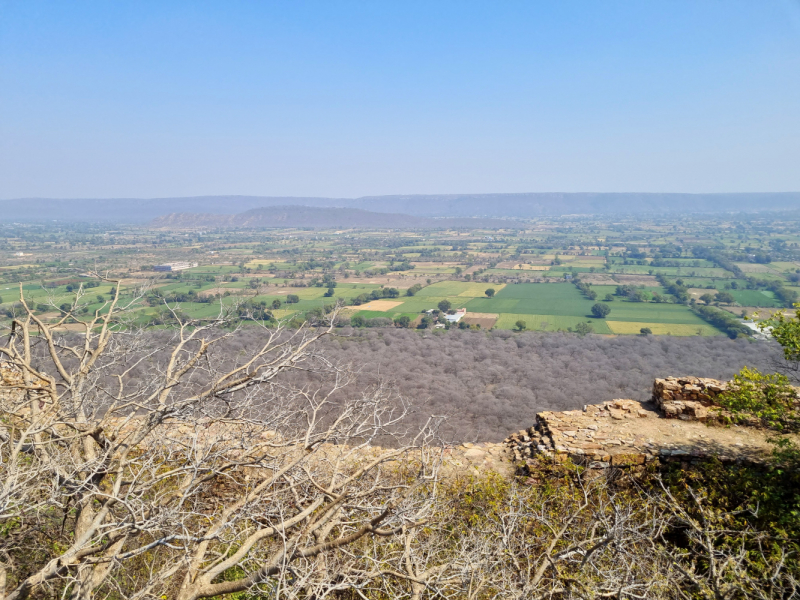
{"points": [[176, 266], [457, 316]]}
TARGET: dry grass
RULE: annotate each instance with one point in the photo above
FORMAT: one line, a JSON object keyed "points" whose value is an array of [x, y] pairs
{"points": [[522, 266], [479, 315], [647, 280]]}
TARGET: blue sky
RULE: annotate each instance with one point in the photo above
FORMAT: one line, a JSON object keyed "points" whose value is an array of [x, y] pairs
{"points": [[333, 98]]}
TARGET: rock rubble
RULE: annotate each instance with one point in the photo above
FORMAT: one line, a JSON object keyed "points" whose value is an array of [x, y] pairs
{"points": [[587, 436]]}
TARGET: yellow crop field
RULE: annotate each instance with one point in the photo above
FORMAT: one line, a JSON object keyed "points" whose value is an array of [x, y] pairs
{"points": [[380, 305], [478, 289], [628, 328]]}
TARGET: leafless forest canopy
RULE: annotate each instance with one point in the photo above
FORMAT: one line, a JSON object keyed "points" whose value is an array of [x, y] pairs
{"points": [[492, 384]]}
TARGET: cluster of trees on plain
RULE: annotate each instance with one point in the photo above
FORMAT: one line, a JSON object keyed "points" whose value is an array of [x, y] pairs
{"points": [[379, 294], [157, 297], [722, 320], [491, 384]]}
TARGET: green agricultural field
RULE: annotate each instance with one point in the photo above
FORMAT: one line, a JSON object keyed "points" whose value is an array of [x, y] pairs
{"points": [[786, 267], [536, 299], [704, 282], [417, 304], [199, 310], [653, 313], [493, 305], [671, 271], [602, 290], [755, 298], [464, 289], [689, 262], [442, 289]]}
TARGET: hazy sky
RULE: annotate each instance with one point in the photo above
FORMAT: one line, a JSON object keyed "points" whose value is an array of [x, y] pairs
{"points": [[333, 98]]}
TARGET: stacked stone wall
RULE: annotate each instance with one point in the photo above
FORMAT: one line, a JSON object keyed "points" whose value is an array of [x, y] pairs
{"points": [[687, 398]]}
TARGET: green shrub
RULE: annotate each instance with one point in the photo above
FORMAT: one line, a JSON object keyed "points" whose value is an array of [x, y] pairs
{"points": [[767, 397]]}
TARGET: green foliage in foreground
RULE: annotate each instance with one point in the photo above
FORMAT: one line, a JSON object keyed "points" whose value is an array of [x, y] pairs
{"points": [[767, 397], [786, 331]]}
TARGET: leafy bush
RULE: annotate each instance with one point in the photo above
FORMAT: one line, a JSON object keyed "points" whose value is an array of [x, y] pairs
{"points": [[725, 297], [413, 289], [767, 397], [402, 321], [786, 331]]}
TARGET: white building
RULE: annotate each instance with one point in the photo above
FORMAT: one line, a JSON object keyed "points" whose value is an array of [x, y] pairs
{"points": [[461, 312], [176, 266]]}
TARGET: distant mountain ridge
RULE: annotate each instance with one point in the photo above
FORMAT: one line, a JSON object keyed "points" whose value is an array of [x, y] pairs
{"points": [[523, 206], [317, 217]]}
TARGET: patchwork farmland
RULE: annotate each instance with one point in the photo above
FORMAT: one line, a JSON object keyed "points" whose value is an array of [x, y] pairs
{"points": [[546, 307], [665, 277]]}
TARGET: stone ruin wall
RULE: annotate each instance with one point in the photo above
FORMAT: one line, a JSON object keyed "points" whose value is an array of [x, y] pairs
{"points": [[614, 433], [687, 398]]}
